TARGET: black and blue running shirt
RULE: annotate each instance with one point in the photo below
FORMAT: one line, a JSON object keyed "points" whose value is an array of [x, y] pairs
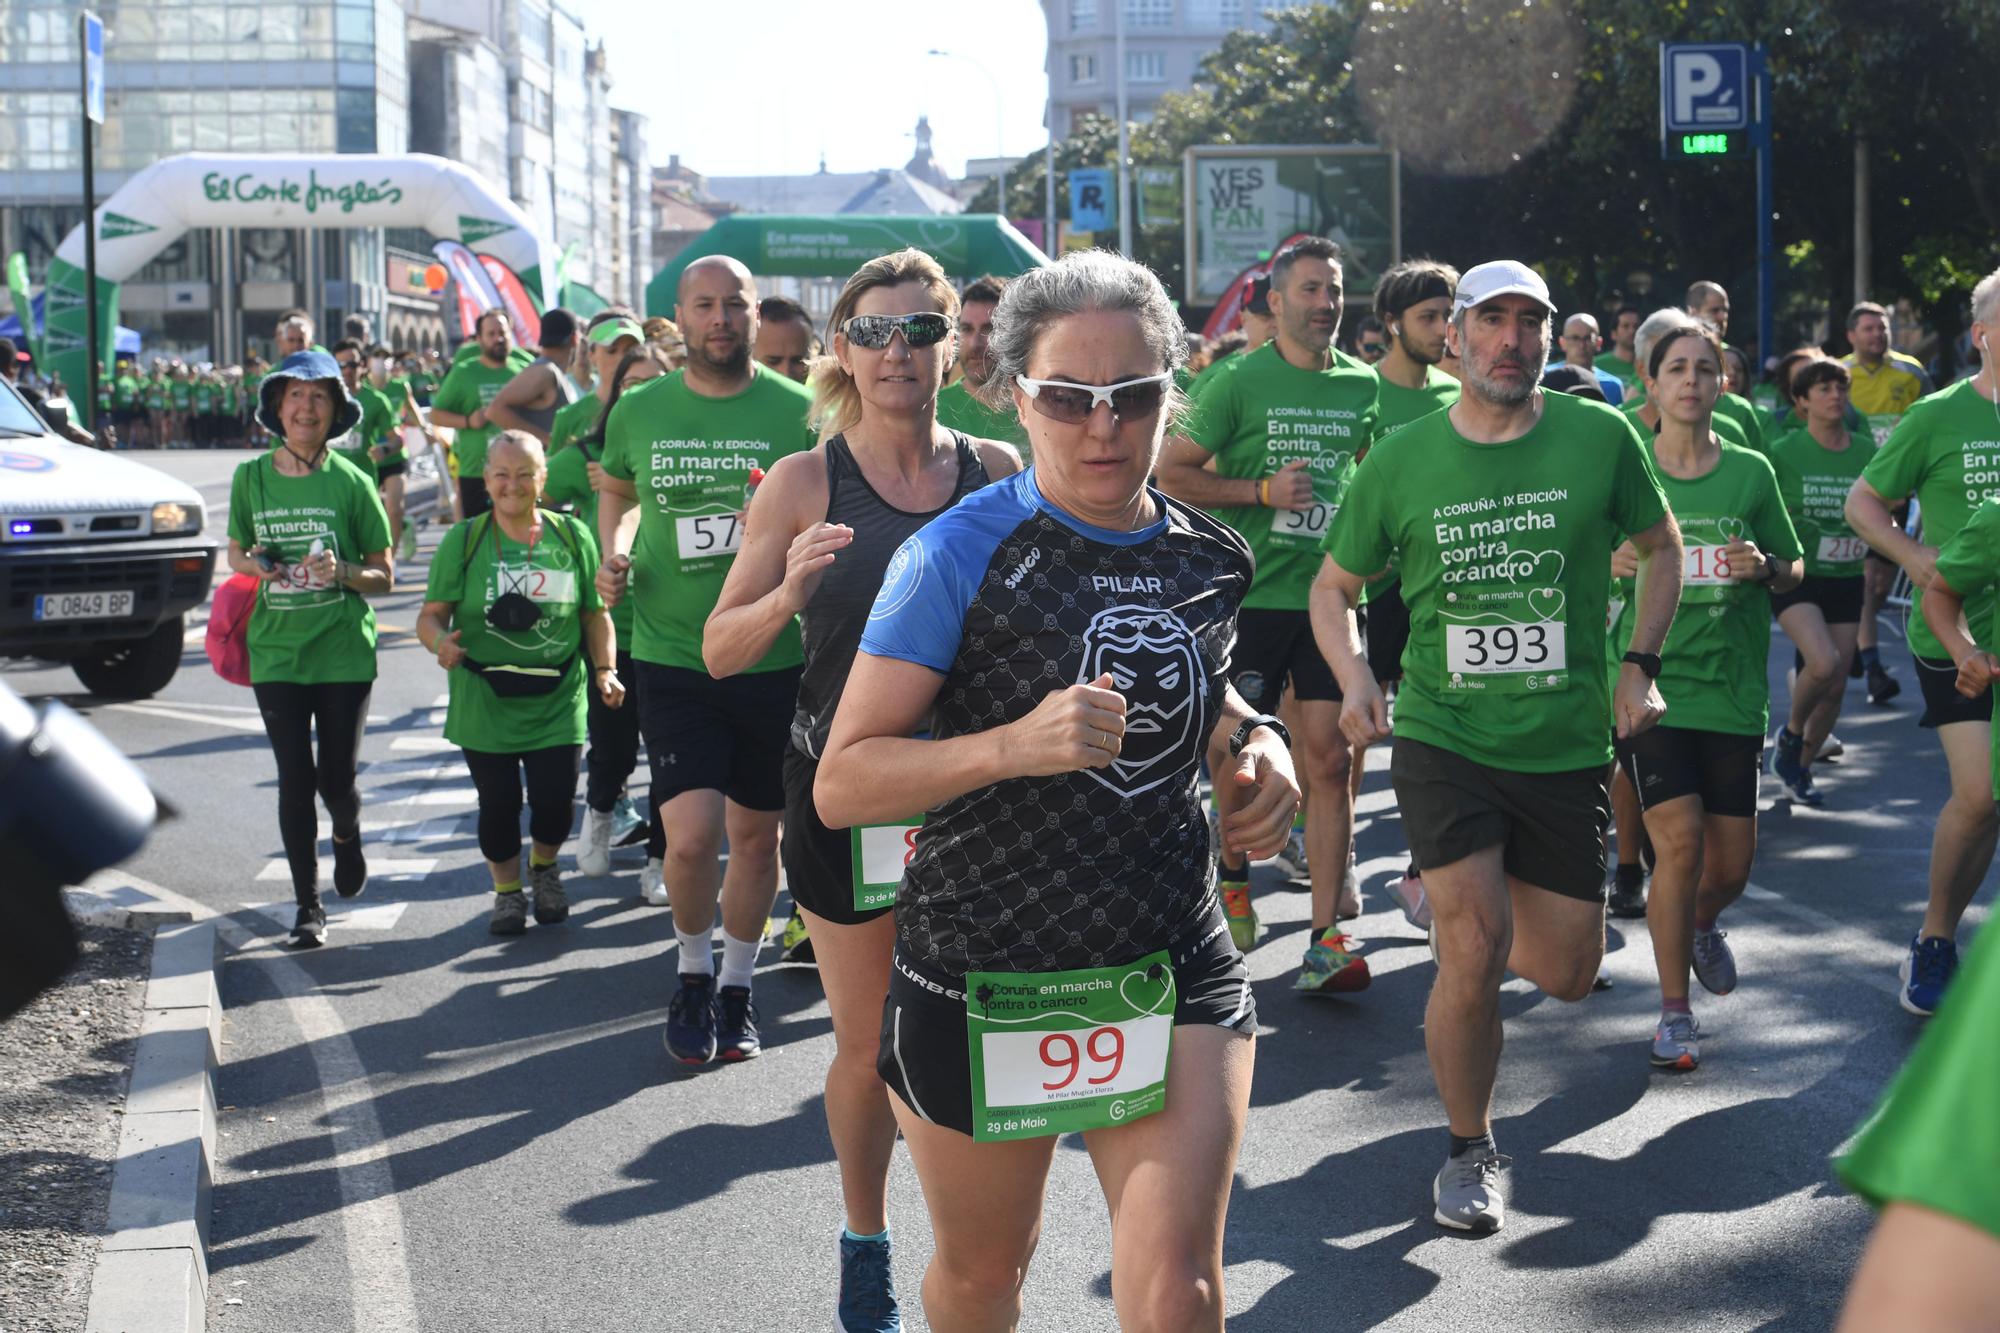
{"points": [[1008, 598]]}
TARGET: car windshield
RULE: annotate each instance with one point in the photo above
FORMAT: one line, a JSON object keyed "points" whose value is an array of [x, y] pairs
{"points": [[16, 417]]}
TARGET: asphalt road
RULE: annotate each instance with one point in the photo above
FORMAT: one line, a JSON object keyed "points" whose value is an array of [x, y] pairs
{"points": [[425, 1127]]}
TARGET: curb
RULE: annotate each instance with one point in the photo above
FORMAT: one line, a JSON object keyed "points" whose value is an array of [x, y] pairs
{"points": [[152, 1270], [122, 907]]}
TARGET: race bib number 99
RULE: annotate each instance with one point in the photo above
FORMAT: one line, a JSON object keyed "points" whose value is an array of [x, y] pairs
{"points": [[1507, 638], [881, 853], [699, 536], [1055, 1052]]}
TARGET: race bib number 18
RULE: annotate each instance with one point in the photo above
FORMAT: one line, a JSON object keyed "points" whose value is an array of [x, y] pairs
{"points": [[1053, 1052], [1505, 637], [1704, 566], [881, 851]]}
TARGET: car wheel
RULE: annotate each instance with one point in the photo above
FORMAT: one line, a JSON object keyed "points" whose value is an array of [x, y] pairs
{"points": [[135, 669]]}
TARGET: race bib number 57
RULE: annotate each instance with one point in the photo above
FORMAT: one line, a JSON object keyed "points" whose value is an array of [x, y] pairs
{"points": [[698, 536], [1053, 1052]]}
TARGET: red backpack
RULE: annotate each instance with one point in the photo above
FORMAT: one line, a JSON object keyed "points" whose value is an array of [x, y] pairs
{"points": [[228, 637]]}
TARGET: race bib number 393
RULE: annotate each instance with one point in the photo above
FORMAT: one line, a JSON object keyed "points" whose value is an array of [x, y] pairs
{"points": [[1505, 637], [881, 852], [1054, 1052]]}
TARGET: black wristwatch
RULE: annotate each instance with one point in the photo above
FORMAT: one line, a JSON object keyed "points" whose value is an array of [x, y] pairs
{"points": [[1646, 662], [1250, 724]]}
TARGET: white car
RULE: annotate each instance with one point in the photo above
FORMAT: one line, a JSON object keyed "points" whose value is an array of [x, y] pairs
{"points": [[100, 558]]}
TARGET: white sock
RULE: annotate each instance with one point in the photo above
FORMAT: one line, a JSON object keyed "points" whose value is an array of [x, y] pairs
{"points": [[739, 959], [697, 954]]}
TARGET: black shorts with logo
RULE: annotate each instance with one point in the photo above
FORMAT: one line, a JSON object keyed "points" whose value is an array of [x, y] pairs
{"points": [[1838, 599], [384, 471], [819, 861], [729, 735], [1937, 677], [1720, 767], [1549, 825], [1273, 647], [923, 1056]]}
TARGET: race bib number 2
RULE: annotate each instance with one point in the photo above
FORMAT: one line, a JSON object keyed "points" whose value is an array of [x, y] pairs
{"points": [[1505, 637], [1055, 1052], [881, 852]]}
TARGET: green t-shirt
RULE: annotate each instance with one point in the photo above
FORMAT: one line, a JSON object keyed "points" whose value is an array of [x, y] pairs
{"points": [[960, 411], [1946, 452], [156, 395], [1969, 564], [1506, 559], [124, 392], [1265, 414], [204, 398], [471, 385], [1815, 481], [1713, 668], [558, 574], [1215, 370], [690, 457], [1397, 407], [380, 422], [1736, 408], [1935, 1139], [572, 420], [569, 483], [1628, 374], [304, 632], [181, 394]]}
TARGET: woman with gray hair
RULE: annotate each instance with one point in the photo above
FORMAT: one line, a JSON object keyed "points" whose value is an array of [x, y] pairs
{"points": [[1063, 638]]}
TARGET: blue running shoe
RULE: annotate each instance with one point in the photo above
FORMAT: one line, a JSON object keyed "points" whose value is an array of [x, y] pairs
{"points": [[691, 1020], [867, 1287], [1926, 971], [1788, 766]]}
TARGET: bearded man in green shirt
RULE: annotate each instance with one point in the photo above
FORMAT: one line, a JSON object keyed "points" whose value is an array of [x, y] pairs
{"points": [[1502, 512]]}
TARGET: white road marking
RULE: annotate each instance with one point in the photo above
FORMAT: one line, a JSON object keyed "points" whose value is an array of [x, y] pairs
{"points": [[339, 914], [426, 744], [378, 868], [182, 715]]}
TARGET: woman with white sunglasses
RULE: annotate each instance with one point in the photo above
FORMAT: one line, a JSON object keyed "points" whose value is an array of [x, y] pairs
{"points": [[824, 527], [1061, 959]]}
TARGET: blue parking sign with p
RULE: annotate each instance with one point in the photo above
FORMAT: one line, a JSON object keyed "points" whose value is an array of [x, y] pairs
{"points": [[1704, 87]]}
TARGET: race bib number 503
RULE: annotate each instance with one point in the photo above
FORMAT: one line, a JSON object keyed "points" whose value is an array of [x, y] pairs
{"points": [[1053, 1052]]}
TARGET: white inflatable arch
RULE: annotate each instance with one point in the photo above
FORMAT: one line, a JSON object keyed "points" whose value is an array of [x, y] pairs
{"points": [[158, 205]]}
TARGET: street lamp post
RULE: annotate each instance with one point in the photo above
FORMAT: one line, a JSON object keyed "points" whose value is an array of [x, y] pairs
{"points": [[999, 120]]}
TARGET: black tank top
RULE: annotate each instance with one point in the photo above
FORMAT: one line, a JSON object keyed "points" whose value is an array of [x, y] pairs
{"points": [[832, 622]]}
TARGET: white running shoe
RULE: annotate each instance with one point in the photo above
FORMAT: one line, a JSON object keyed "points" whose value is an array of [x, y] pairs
{"points": [[1291, 859], [1467, 1192], [593, 849], [653, 882]]}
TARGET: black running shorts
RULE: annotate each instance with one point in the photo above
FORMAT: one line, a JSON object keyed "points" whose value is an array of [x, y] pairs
{"points": [[923, 1056], [1719, 767], [1549, 825]]}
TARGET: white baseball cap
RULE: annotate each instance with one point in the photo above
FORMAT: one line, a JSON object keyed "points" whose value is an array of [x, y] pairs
{"points": [[1500, 277]]}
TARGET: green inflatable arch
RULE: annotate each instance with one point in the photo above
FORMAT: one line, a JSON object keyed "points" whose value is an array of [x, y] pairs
{"points": [[833, 246], [157, 205]]}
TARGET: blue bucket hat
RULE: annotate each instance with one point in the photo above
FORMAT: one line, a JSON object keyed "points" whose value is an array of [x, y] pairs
{"points": [[309, 365]]}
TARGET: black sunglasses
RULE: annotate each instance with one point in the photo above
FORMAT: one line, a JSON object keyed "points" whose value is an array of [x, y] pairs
{"points": [[874, 331]]}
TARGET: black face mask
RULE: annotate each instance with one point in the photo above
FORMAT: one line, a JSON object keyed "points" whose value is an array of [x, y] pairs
{"points": [[513, 613]]}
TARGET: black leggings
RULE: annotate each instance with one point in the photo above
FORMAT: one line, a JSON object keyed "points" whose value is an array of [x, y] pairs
{"points": [[614, 753], [338, 712], [551, 793]]}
